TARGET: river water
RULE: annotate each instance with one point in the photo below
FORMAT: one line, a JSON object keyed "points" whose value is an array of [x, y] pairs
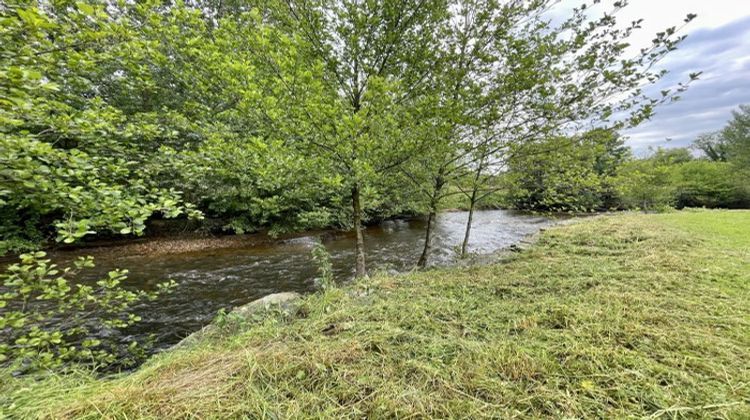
{"points": [[214, 279]]}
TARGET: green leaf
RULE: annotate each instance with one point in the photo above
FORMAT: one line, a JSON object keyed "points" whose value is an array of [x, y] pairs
{"points": [[86, 8]]}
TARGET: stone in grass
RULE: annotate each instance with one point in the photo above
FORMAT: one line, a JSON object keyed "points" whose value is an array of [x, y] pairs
{"points": [[286, 302]]}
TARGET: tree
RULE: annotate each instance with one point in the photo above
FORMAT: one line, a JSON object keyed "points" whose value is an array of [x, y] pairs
{"points": [[250, 95], [375, 57], [460, 108], [147, 108], [737, 137], [702, 183], [731, 144], [72, 158], [536, 80], [712, 145], [674, 178], [574, 174], [671, 156], [645, 184]]}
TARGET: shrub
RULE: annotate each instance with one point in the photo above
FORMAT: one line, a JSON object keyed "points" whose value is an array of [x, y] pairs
{"points": [[657, 183], [646, 185], [37, 295], [567, 174], [322, 260], [703, 183]]}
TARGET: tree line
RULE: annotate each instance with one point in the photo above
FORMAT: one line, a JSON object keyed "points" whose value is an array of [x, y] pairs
{"points": [[595, 171], [289, 114]]}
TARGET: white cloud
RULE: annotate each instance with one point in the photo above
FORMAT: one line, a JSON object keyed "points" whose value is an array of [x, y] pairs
{"points": [[718, 44]]}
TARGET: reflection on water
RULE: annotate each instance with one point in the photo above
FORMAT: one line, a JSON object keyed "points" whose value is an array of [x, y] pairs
{"points": [[214, 279]]}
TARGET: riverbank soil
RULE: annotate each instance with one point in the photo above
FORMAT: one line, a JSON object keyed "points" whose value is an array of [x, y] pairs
{"points": [[614, 316]]}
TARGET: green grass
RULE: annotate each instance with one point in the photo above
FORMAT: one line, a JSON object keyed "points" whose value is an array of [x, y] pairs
{"points": [[616, 316]]}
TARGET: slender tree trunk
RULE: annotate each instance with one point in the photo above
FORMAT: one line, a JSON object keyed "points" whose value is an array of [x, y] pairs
{"points": [[422, 263], [359, 248], [472, 204]]}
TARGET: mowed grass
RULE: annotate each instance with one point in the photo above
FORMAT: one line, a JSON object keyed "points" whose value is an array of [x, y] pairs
{"points": [[615, 316]]}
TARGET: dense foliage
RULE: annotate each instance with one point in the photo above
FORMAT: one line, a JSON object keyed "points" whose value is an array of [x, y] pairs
{"points": [[731, 144], [290, 115], [567, 174], [595, 171], [674, 178], [76, 156], [587, 178]]}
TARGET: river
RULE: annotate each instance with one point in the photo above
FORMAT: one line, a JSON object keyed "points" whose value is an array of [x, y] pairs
{"points": [[214, 279]]}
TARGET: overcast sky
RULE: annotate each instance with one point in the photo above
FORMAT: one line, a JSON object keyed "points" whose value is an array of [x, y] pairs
{"points": [[718, 44]]}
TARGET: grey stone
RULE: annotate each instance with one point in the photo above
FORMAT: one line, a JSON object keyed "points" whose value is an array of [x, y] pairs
{"points": [[287, 302]]}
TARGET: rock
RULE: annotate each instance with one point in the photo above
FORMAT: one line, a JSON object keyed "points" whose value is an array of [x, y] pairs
{"points": [[287, 302], [305, 241]]}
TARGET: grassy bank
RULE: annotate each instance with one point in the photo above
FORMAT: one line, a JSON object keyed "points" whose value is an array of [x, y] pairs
{"points": [[627, 315]]}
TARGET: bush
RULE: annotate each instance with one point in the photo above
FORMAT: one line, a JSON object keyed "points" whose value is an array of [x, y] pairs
{"points": [[567, 174], [702, 183], [37, 295], [645, 185], [660, 182]]}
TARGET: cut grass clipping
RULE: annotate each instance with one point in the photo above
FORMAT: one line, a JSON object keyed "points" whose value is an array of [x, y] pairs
{"points": [[614, 316]]}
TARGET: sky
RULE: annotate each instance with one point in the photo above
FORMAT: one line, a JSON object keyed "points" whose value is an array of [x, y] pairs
{"points": [[718, 44]]}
